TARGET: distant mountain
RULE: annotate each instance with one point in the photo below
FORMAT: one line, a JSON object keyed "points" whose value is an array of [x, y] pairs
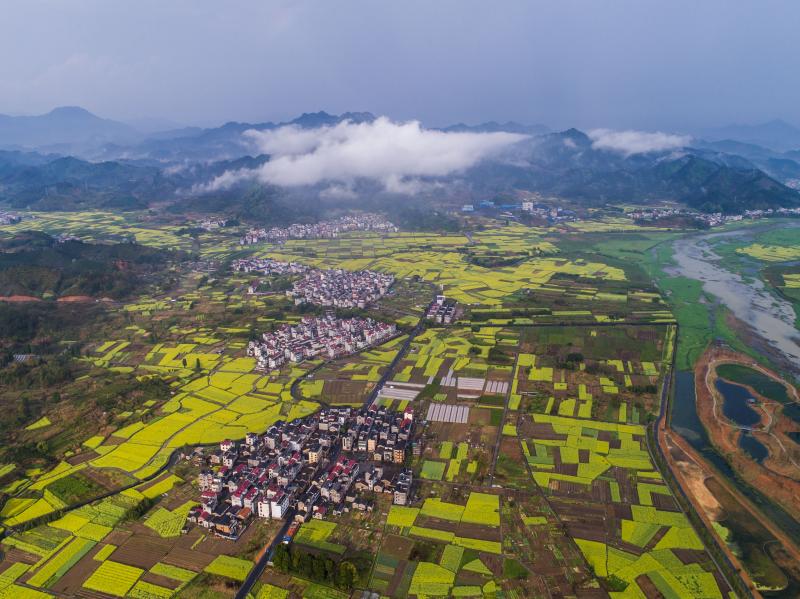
{"points": [[783, 166], [713, 175], [62, 129], [313, 120], [776, 135], [567, 164], [152, 125], [216, 143], [494, 127]]}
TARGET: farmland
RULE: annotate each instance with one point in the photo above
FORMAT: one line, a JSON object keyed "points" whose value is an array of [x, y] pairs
{"points": [[532, 474], [591, 459]]}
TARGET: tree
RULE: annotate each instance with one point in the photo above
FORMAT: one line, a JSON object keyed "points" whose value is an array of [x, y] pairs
{"points": [[318, 569], [281, 558], [346, 575], [295, 563], [306, 565], [330, 569]]}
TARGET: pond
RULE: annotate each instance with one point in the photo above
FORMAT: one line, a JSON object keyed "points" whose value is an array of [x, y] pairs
{"points": [[753, 447], [685, 421], [736, 404]]}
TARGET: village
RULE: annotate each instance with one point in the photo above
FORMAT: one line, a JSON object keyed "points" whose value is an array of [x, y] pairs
{"points": [[321, 230], [9, 218], [268, 266], [341, 288], [332, 462], [327, 336], [714, 219]]}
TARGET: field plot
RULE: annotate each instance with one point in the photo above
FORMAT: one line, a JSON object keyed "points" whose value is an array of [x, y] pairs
{"points": [[549, 559], [349, 381], [438, 260], [101, 226], [457, 380], [103, 548], [611, 373], [216, 396], [594, 464], [227, 401], [438, 549], [457, 364], [783, 250], [475, 543]]}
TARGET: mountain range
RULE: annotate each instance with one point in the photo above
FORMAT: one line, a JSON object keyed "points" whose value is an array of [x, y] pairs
{"points": [[777, 135], [71, 159]]}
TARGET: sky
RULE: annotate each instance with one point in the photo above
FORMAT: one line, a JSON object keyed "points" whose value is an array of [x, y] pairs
{"points": [[615, 64]]}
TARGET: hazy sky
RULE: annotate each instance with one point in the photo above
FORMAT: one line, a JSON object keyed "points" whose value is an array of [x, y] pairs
{"points": [[597, 63]]}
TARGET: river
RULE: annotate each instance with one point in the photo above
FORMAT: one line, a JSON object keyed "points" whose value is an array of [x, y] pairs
{"points": [[769, 316]]}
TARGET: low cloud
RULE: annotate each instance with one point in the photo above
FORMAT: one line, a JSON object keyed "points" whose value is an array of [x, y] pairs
{"points": [[402, 157], [338, 191], [636, 142]]}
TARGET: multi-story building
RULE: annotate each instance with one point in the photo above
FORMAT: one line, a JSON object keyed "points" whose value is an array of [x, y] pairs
{"points": [[307, 468], [327, 337]]}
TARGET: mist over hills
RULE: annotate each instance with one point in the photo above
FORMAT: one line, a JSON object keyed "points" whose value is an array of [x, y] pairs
{"points": [[71, 159]]}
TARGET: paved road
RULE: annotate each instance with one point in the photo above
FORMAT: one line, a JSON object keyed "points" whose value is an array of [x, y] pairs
{"points": [[258, 569], [393, 364]]}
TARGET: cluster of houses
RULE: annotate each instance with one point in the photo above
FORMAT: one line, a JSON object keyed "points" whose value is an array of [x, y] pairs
{"points": [[268, 266], [317, 336], [341, 288], [553, 214], [713, 219], [772, 212], [321, 230], [212, 224], [67, 237], [651, 214], [327, 463], [9, 218], [442, 310]]}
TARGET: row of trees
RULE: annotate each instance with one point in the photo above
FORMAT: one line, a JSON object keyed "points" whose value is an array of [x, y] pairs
{"points": [[343, 575]]}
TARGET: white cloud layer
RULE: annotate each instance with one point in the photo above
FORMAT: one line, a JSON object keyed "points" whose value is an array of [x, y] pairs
{"points": [[636, 142], [396, 155]]}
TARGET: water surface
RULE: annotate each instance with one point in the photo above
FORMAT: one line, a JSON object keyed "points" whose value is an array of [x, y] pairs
{"points": [[736, 404], [753, 447], [769, 315]]}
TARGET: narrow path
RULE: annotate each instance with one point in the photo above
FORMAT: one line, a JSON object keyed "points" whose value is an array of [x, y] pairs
{"points": [[503, 422]]}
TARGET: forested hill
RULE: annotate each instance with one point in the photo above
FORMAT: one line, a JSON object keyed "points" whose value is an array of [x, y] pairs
{"points": [[35, 264]]}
